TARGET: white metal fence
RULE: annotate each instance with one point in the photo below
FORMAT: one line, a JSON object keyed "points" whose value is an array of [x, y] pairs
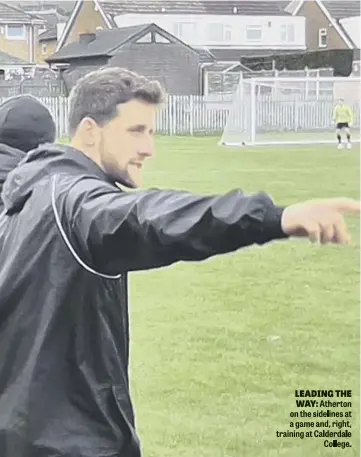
{"points": [[198, 115]]}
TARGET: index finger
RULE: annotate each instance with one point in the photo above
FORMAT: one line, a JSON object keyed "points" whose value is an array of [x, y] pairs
{"points": [[348, 205], [341, 204]]}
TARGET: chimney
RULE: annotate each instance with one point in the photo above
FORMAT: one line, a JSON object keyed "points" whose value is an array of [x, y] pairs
{"points": [[86, 38]]}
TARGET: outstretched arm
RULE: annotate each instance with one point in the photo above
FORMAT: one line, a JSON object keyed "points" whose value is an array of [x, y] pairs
{"points": [[123, 231], [116, 232]]}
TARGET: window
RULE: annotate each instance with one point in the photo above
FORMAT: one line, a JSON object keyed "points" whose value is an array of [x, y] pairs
{"points": [[15, 32], [287, 33], [254, 33], [147, 38], [153, 37], [161, 39], [219, 32], [43, 49], [184, 31], [322, 38]]}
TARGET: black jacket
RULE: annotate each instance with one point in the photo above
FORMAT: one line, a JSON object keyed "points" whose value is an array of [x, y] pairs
{"points": [[67, 241]]}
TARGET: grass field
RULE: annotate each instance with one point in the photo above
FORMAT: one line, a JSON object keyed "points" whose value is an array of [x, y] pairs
{"points": [[219, 347]]}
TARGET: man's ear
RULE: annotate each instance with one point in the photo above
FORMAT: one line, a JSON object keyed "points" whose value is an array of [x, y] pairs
{"points": [[89, 131]]}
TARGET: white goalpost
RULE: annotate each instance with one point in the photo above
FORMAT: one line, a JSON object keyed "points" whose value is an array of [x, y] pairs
{"points": [[289, 110]]}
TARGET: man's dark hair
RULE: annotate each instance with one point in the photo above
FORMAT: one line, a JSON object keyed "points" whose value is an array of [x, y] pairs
{"points": [[98, 94]]}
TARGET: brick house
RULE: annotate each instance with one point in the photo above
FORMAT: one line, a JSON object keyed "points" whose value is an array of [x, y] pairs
{"points": [[165, 55], [52, 14], [46, 45], [86, 17], [330, 24], [18, 33]]}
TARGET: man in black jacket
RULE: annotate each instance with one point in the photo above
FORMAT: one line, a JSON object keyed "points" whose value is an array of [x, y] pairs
{"points": [[68, 239], [25, 123]]}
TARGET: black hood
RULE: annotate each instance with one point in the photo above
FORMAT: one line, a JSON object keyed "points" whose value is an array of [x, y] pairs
{"points": [[39, 163], [25, 123]]}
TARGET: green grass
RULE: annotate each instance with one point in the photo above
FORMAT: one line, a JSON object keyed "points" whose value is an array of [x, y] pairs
{"points": [[207, 380], [326, 136]]}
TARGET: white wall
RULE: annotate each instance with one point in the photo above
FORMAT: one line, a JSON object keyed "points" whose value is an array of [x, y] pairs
{"points": [[210, 30], [352, 27]]}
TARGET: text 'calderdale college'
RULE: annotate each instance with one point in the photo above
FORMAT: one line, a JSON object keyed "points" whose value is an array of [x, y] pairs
{"points": [[308, 420]]}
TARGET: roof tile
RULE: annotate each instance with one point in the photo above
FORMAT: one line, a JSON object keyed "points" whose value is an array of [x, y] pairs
{"points": [[9, 14], [240, 7], [105, 41], [342, 8], [8, 59]]}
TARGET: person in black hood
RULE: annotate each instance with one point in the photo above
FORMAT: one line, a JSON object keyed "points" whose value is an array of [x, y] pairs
{"points": [[70, 235], [25, 123]]}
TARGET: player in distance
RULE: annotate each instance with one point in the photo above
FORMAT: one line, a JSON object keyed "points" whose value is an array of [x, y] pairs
{"points": [[343, 117]]}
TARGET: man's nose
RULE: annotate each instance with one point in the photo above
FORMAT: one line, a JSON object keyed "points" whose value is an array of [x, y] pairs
{"points": [[148, 148]]}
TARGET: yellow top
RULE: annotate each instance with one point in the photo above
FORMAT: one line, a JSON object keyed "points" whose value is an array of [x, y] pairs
{"points": [[343, 113]]}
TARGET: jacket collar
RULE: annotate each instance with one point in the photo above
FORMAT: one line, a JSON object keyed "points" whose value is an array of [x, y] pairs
{"points": [[87, 164]]}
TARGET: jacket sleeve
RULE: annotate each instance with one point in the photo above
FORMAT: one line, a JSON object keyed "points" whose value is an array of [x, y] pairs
{"points": [[126, 231]]}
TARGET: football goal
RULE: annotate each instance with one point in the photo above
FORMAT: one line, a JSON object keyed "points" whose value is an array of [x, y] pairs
{"points": [[290, 110]]}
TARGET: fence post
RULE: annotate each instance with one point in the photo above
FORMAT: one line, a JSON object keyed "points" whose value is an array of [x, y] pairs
{"points": [[191, 115], [170, 113], [307, 82], [276, 84], [253, 110], [317, 84]]}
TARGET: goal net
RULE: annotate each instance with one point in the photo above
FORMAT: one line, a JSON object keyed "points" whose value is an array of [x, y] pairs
{"points": [[291, 110]]}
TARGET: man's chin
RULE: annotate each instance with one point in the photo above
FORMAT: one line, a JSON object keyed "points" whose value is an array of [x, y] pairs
{"points": [[135, 176], [130, 180]]}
